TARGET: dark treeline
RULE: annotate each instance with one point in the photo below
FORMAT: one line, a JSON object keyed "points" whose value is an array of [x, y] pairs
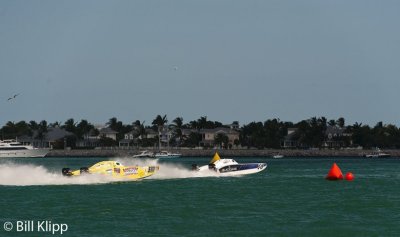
{"points": [[272, 133]]}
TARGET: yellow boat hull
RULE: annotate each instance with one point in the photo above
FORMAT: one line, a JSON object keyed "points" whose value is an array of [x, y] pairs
{"points": [[114, 169]]}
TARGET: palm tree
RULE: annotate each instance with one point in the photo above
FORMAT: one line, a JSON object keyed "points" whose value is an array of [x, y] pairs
{"points": [[194, 125], [117, 126], [178, 123], [70, 125], [340, 122], [160, 122], [139, 127], [140, 130], [332, 123], [56, 124], [42, 130], [202, 121], [83, 127], [10, 130], [112, 123], [222, 140], [33, 125], [22, 128], [357, 125], [322, 123]]}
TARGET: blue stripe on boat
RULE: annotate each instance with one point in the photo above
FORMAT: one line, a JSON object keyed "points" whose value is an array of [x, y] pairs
{"points": [[248, 166]]}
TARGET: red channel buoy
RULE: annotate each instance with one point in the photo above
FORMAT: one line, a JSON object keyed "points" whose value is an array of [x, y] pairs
{"points": [[349, 176], [335, 173]]}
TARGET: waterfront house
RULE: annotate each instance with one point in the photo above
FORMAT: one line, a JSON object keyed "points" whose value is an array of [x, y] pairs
{"points": [[150, 133], [90, 139], [108, 133], [130, 139], [336, 137], [186, 132], [290, 140], [208, 136], [166, 135], [54, 137], [134, 137], [234, 125]]}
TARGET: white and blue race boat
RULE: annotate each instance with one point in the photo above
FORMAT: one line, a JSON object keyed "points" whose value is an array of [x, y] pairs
{"points": [[229, 167]]}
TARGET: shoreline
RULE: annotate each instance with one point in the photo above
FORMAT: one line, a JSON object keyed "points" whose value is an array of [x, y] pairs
{"points": [[225, 153]]}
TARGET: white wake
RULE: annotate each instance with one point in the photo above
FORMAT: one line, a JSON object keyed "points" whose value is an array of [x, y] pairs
{"points": [[27, 174]]}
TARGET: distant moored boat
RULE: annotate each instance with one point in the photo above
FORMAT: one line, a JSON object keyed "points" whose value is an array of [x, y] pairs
{"points": [[377, 154], [144, 154], [12, 148], [166, 154]]}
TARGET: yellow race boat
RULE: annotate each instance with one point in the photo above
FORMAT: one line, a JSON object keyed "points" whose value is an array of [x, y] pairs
{"points": [[114, 169]]}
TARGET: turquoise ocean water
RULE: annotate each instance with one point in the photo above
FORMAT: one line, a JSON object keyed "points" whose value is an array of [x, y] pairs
{"points": [[290, 198]]}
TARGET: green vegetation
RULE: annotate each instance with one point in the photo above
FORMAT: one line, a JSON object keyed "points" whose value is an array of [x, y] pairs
{"points": [[272, 133]]}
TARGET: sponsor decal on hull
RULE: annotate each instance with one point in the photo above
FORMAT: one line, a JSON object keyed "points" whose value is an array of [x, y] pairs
{"points": [[131, 170]]}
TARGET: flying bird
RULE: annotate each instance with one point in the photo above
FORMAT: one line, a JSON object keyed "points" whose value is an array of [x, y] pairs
{"points": [[13, 97]]}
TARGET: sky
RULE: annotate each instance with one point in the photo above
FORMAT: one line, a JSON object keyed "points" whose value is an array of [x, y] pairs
{"points": [[228, 60]]}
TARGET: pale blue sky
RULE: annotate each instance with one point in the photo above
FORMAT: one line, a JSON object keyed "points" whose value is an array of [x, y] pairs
{"points": [[227, 60]]}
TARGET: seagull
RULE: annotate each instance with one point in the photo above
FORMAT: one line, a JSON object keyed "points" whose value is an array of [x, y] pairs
{"points": [[13, 97]]}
